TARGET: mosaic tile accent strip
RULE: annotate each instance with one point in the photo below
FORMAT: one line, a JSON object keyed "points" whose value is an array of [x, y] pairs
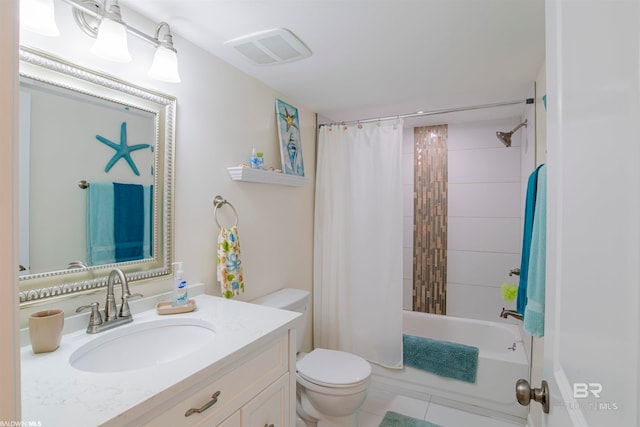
{"points": [[430, 166]]}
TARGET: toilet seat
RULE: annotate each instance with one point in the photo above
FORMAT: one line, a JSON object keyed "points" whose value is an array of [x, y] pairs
{"points": [[333, 368]]}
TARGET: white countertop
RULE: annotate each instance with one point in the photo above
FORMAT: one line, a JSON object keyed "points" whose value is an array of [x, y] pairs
{"points": [[56, 394]]}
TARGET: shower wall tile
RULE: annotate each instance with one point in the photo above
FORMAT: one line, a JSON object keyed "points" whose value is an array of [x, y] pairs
{"points": [[484, 217], [407, 294], [475, 302], [477, 135], [481, 268], [407, 200], [430, 214], [407, 232], [487, 165], [484, 234], [407, 263], [498, 200], [407, 170], [407, 142]]}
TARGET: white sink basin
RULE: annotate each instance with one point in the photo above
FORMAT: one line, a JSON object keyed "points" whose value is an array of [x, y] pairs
{"points": [[142, 345]]}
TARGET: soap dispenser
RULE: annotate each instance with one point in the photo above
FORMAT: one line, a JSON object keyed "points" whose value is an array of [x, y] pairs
{"points": [[180, 295]]}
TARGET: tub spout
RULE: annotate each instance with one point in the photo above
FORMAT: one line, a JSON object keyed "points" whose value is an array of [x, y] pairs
{"points": [[506, 313]]}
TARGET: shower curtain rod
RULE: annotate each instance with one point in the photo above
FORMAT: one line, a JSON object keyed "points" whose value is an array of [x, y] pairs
{"points": [[432, 113]]}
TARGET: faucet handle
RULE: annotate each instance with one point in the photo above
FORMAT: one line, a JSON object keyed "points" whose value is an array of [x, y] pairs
{"points": [[124, 307], [95, 319]]}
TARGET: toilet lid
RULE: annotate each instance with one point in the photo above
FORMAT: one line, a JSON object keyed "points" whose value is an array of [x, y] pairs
{"points": [[333, 368]]}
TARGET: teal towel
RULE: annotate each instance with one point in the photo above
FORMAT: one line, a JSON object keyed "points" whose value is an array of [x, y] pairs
{"points": [[147, 241], [101, 247], [529, 211], [128, 221], [393, 419], [534, 310], [447, 359]]}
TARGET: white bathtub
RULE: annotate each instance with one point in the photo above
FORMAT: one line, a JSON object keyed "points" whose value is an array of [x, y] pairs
{"points": [[499, 367]]}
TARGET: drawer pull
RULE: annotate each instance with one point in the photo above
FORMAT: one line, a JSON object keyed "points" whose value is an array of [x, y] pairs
{"points": [[206, 406], [269, 425]]}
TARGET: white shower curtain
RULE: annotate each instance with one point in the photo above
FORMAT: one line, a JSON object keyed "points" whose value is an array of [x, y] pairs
{"points": [[358, 241]]}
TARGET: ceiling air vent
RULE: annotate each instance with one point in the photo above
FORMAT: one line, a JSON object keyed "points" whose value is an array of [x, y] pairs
{"points": [[270, 47]]}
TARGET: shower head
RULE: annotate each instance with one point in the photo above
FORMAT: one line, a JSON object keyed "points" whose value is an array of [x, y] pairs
{"points": [[505, 137]]}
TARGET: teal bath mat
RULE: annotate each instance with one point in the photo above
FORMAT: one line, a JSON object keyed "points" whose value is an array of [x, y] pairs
{"points": [[447, 359], [393, 419]]}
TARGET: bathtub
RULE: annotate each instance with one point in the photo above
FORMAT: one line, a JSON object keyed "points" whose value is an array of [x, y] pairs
{"points": [[499, 364]]}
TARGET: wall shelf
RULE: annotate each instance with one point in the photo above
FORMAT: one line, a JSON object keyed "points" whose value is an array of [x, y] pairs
{"points": [[239, 173]]}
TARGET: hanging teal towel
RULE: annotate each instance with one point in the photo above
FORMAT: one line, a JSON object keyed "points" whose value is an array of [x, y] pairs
{"points": [[529, 211], [447, 359], [534, 310], [128, 221], [101, 247], [147, 248]]}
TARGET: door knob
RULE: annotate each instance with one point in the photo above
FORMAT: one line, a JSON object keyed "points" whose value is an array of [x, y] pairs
{"points": [[524, 394]]}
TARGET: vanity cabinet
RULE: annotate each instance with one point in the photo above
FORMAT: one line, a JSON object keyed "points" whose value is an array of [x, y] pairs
{"points": [[254, 390], [249, 365]]}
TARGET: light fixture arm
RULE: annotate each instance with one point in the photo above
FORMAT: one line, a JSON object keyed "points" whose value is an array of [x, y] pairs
{"points": [[83, 9], [167, 40]]}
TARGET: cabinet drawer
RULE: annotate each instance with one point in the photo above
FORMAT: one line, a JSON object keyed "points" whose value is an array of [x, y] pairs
{"points": [[247, 377]]}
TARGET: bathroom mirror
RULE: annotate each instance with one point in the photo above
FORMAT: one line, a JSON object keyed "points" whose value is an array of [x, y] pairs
{"points": [[94, 151]]}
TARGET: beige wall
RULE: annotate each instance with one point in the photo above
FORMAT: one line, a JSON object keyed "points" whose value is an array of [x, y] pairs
{"points": [[222, 113], [9, 356]]}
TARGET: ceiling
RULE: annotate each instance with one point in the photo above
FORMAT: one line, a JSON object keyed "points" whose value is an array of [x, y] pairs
{"points": [[375, 58]]}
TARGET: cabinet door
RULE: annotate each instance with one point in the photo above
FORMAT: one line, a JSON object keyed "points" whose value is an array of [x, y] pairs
{"points": [[270, 408], [232, 421]]}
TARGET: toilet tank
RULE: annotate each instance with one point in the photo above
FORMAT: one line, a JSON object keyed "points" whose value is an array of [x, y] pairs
{"points": [[293, 300]]}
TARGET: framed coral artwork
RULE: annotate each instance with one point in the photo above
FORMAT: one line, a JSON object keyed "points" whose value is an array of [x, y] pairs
{"points": [[289, 135]]}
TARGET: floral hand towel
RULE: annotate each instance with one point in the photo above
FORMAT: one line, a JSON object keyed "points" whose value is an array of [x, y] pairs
{"points": [[229, 263]]}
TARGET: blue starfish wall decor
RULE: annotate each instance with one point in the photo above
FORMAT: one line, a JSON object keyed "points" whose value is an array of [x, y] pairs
{"points": [[123, 151]]}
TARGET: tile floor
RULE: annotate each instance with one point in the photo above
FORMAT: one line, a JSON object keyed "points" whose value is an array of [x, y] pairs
{"points": [[430, 408]]}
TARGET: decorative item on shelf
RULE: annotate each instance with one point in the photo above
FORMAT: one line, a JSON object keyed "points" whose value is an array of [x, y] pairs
{"points": [[290, 142], [257, 160], [269, 169]]}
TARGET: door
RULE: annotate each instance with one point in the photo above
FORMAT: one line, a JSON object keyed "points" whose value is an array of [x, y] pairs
{"points": [[593, 218]]}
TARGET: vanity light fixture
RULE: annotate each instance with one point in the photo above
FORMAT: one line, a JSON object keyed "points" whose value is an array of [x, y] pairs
{"points": [[101, 19], [111, 40], [165, 60], [37, 16]]}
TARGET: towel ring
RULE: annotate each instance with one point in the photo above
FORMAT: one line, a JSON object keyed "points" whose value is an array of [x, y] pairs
{"points": [[218, 202]]}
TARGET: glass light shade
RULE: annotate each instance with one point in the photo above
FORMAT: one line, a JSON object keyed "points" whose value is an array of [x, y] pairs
{"points": [[38, 16], [165, 65], [111, 43]]}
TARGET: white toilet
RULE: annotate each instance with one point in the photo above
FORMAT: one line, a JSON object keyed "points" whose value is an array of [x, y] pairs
{"points": [[331, 385]]}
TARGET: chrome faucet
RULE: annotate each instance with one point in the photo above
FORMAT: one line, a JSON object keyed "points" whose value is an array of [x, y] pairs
{"points": [[506, 313], [111, 316]]}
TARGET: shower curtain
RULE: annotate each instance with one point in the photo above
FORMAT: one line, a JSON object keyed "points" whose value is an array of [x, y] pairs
{"points": [[358, 241]]}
